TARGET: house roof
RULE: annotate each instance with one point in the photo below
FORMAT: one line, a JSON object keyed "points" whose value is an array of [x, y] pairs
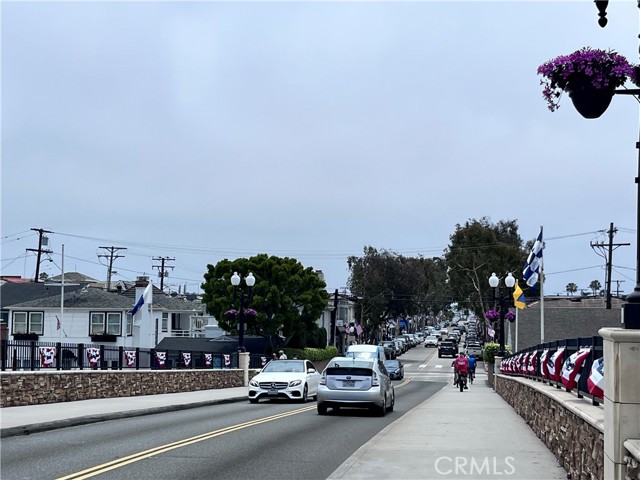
{"points": [[15, 293], [73, 277], [98, 298]]}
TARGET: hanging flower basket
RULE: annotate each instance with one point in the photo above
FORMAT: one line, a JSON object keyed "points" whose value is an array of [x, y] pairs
{"points": [[232, 312], [250, 312], [510, 316], [590, 76], [492, 315]]}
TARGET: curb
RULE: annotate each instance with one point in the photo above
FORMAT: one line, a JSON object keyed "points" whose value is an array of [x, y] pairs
{"points": [[88, 419]]}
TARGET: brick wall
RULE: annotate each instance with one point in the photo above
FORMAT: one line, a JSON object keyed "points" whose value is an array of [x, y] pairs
{"points": [[32, 388], [578, 445]]}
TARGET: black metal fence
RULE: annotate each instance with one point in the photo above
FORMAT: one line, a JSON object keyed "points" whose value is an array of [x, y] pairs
{"points": [[31, 355], [571, 346]]}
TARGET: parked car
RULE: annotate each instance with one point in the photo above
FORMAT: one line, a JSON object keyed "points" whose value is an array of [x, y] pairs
{"points": [[288, 379], [389, 349], [448, 348], [431, 341], [356, 383], [366, 351], [395, 369], [399, 346]]}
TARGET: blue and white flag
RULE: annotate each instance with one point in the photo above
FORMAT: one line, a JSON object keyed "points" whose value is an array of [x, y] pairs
{"points": [[532, 268], [146, 297]]}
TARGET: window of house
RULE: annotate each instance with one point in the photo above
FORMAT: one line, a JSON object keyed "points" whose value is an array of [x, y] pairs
{"points": [[28, 322], [105, 323], [165, 322], [129, 324]]}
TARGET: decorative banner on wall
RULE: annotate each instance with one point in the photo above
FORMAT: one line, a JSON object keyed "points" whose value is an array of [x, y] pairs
{"points": [[555, 364], [544, 363], [533, 363], [227, 360], [161, 358], [130, 357], [47, 356], [595, 382], [208, 359], [524, 361], [93, 356], [263, 360], [572, 368], [186, 358]]}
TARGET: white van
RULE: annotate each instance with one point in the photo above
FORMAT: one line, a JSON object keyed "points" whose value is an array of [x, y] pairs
{"points": [[366, 351]]}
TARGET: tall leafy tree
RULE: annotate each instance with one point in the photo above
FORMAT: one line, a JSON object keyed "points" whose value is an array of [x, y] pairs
{"points": [[392, 285], [288, 297], [476, 250], [571, 288], [595, 287]]}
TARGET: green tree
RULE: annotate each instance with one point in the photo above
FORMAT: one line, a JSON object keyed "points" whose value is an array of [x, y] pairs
{"points": [[476, 250], [288, 297], [388, 285], [595, 287], [571, 288]]}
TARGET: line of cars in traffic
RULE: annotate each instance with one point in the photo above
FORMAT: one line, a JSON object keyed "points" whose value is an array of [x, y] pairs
{"points": [[362, 378]]}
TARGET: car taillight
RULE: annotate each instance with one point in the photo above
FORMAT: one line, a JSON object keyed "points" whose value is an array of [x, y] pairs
{"points": [[323, 379], [375, 381]]}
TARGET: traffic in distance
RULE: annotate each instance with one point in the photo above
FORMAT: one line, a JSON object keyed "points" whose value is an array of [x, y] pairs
{"points": [[363, 377]]}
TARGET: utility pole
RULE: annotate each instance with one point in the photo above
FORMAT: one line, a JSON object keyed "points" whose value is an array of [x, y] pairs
{"points": [[39, 250], [334, 314], [608, 257], [618, 282], [112, 256], [161, 268]]}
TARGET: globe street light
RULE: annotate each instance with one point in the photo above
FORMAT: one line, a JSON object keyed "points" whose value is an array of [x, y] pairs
{"points": [[250, 281], [504, 301]]}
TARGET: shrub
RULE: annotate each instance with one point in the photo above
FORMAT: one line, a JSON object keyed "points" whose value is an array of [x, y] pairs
{"points": [[312, 354], [491, 350]]}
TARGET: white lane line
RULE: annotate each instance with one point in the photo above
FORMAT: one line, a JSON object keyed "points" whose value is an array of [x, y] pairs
{"points": [[438, 366]]}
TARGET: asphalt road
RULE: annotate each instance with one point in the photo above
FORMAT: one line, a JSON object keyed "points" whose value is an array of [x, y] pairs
{"points": [[231, 441]]}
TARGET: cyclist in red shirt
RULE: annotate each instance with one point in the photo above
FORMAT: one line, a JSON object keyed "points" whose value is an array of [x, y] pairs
{"points": [[461, 367]]}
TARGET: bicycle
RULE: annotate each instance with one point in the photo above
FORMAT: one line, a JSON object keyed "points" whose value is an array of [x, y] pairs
{"points": [[462, 381]]}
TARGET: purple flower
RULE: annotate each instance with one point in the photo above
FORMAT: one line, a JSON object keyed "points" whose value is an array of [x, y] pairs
{"points": [[510, 316], [492, 315], [231, 312], [603, 69], [250, 312]]}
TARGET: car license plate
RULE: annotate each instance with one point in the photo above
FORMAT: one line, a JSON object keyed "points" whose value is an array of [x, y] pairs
{"points": [[348, 383], [273, 391]]}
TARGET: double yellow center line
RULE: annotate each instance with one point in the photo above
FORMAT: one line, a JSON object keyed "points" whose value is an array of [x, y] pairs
{"points": [[121, 462]]}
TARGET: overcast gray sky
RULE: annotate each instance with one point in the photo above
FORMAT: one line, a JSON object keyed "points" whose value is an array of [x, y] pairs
{"points": [[210, 130]]}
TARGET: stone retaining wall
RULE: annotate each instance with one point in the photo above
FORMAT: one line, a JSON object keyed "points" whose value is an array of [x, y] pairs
{"points": [[578, 445], [32, 388]]}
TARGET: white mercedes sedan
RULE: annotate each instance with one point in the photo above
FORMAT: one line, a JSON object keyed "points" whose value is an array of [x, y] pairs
{"points": [[286, 379]]}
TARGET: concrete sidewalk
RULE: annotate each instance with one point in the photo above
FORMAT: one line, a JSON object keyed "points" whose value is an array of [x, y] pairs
{"points": [[473, 434], [38, 418]]}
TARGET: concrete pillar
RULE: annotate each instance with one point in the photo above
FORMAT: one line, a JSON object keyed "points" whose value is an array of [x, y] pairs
{"points": [[621, 396], [493, 369], [243, 362]]}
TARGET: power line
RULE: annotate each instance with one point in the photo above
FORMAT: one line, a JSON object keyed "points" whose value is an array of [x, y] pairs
{"points": [[42, 240], [112, 256], [162, 272]]}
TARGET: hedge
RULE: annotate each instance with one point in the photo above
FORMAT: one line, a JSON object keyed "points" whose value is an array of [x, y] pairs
{"points": [[312, 354]]}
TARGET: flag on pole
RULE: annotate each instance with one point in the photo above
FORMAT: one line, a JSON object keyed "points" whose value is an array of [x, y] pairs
{"points": [[518, 297], [146, 297], [532, 267]]}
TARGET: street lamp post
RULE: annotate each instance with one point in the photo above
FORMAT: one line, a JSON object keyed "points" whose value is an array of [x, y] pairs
{"points": [[504, 301], [250, 281]]}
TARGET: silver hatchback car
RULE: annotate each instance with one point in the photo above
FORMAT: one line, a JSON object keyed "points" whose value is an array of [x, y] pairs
{"points": [[356, 383]]}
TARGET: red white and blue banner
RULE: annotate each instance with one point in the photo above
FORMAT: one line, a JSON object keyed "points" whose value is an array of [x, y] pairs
{"points": [[93, 356], [186, 358], [208, 359], [524, 362], [227, 360], [544, 363], [555, 364], [130, 357], [572, 368], [47, 356], [161, 358], [532, 364], [595, 382]]}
